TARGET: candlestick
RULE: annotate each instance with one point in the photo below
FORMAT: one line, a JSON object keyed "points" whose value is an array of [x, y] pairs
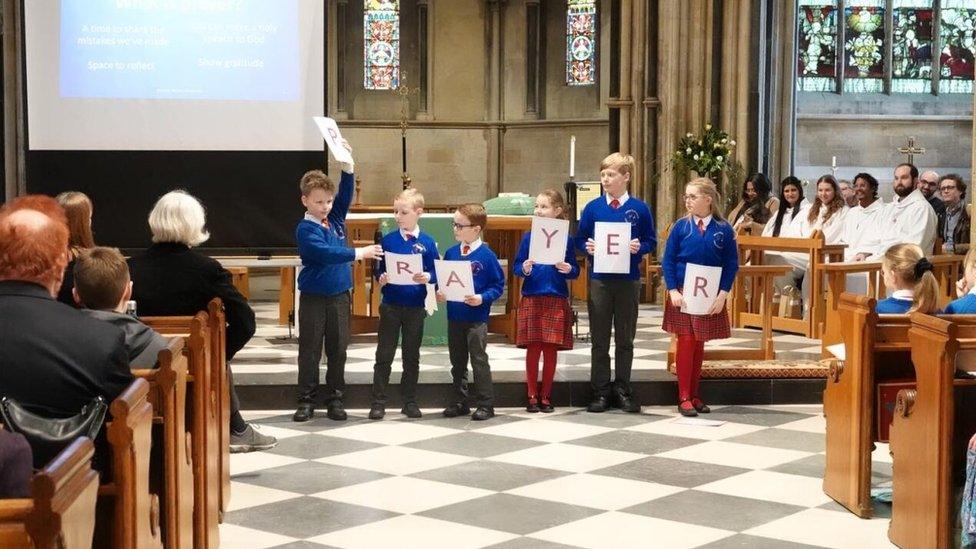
{"points": [[833, 162], [572, 156]]}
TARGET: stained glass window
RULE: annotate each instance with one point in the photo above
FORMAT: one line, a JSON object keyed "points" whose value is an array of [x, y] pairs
{"points": [[817, 51], [381, 44], [863, 48], [911, 46], [958, 48], [581, 42]]}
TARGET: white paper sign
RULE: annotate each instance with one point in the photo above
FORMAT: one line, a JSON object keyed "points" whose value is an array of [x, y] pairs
{"points": [[400, 268], [454, 278], [612, 254], [330, 131], [547, 243], [700, 288]]}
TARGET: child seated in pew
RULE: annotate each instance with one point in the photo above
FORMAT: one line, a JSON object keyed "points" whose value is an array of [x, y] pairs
{"points": [[102, 287], [909, 274], [965, 288]]}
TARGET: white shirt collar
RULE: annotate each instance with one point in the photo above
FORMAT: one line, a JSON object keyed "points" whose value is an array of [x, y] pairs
{"points": [[312, 218], [707, 219], [623, 198], [972, 290], [474, 246], [415, 233], [907, 295]]}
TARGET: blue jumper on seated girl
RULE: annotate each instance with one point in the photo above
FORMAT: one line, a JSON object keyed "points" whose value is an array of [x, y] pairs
{"points": [[965, 288], [909, 274]]}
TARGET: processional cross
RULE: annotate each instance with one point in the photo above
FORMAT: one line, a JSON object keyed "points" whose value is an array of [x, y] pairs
{"points": [[911, 150], [404, 92]]}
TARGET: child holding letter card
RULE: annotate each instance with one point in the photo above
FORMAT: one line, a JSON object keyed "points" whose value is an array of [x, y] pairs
{"points": [[701, 238], [613, 297], [544, 316]]}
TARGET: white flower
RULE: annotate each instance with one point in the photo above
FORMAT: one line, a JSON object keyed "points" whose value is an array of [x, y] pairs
{"points": [[688, 150], [708, 126], [696, 157], [732, 142], [688, 134], [725, 140], [719, 158]]}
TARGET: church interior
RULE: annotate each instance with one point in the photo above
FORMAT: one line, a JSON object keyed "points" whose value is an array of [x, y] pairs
{"points": [[708, 260]]}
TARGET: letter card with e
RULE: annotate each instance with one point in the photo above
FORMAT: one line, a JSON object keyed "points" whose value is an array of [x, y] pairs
{"points": [[454, 278], [400, 268], [612, 253], [700, 288], [547, 243]]}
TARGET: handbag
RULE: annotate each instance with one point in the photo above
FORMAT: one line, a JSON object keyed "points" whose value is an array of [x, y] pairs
{"points": [[48, 436]]}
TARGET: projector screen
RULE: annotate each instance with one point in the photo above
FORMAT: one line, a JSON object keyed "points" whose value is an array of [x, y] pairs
{"points": [[174, 75]]}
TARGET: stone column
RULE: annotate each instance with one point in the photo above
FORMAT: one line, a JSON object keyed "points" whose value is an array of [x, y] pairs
{"points": [[737, 60], [782, 134], [494, 110], [14, 144]]}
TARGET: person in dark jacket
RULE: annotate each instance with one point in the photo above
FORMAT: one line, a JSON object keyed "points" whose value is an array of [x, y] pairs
{"points": [[16, 463], [172, 279], [53, 359], [954, 221]]}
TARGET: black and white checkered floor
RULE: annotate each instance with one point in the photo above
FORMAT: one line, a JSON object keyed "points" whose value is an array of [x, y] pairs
{"points": [[569, 479]]}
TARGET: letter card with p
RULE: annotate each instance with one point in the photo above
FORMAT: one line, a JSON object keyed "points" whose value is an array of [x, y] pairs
{"points": [[547, 243], [612, 254], [700, 288]]}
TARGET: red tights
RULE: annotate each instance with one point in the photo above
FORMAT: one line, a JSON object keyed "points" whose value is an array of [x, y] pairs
{"points": [[548, 352], [689, 364]]}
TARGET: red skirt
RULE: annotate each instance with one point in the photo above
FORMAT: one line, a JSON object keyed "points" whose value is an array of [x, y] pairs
{"points": [[703, 327], [546, 319]]}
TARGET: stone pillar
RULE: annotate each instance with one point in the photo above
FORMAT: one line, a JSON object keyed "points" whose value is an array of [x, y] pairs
{"points": [[736, 72], [782, 128], [14, 170], [494, 110]]}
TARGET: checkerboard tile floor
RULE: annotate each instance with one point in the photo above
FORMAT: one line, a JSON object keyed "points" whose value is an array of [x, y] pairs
{"points": [[563, 480]]}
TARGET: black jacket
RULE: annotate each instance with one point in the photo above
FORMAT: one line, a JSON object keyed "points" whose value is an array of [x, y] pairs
{"points": [[55, 359], [170, 279]]}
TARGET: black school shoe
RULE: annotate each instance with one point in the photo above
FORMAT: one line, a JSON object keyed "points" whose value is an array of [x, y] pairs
{"points": [[377, 411], [483, 413], [457, 409], [411, 410], [599, 405], [336, 412], [305, 412], [628, 403]]}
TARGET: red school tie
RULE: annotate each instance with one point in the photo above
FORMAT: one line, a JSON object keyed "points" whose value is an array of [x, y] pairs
{"points": [[411, 238], [325, 223], [701, 226], [465, 250], [615, 203]]}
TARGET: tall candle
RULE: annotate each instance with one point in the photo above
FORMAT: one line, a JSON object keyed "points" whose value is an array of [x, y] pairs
{"points": [[833, 162], [572, 156]]}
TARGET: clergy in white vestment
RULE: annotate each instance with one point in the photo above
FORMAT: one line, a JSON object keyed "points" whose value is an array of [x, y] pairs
{"points": [[909, 219], [860, 228]]}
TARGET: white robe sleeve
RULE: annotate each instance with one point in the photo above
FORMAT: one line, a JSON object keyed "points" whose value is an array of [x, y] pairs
{"points": [[916, 225]]}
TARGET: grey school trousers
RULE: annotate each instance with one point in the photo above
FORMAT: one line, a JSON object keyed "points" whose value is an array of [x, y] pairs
{"points": [[612, 303], [466, 339], [322, 318], [394, 321]]}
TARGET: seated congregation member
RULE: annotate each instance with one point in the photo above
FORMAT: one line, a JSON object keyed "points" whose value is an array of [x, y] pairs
{"points": [[78, 208], [102, 287], [53, 359], [862, 221], [928, 185], [954, 221], [700, 238], [755, 206], [16, 465], [909, 274], [965, 304], [791, 204], [172, 279], [847, 193], [613, 298], [909, 219]]}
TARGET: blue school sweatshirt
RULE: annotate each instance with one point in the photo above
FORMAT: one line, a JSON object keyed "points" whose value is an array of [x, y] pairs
{"points": [[413, 295], [545, 279], [965, 305], [686, 244], [893, 306], [633, 211], [326, 259], [489, 281]]}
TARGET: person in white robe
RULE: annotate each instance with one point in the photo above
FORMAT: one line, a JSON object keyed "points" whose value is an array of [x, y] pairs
{"points": [[792, 205], [860, 228], [908, 219]]}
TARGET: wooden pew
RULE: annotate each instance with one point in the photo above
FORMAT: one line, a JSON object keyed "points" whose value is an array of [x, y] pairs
{"points": [[928, 437], [172, 479], [221, 384], [203, 408], [819, 254], [127, 512], [60, 514]]}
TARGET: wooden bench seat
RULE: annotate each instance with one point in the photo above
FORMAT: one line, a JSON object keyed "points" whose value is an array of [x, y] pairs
{"points": [[60, 514]]}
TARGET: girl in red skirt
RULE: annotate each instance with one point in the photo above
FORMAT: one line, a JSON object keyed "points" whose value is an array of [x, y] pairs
{"points": [[544, 316], [702, 237]]}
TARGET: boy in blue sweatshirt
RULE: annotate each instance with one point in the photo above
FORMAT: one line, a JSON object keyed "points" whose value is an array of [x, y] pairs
{"points": [[402, 310], [325, 282], [613, 298], [467, 322]]}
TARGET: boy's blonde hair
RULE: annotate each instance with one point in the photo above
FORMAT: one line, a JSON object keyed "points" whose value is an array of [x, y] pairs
{"points": [[907, 263], [101, 275], [475, 213], [623, 163], [316, 179], [412, 196]]}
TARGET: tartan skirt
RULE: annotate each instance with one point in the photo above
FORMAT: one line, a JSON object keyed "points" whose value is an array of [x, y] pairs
{"points": [[703, 327], [545, 319]]}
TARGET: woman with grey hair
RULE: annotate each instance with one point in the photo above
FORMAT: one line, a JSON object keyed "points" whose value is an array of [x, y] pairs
{"points": [[172, 279]]}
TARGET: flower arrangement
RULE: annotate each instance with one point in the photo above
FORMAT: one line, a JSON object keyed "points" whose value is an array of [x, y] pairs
{"points": [[710, 155]]}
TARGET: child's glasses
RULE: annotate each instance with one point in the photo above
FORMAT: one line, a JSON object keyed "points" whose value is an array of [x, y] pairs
{"points": [[460, 226]]}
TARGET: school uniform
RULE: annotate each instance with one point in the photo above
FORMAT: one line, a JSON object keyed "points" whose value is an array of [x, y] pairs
{"points": [[325, 282], [544, 314], [965, 305], [402, 312], [613, 298], [898, 304], [467, 326]]}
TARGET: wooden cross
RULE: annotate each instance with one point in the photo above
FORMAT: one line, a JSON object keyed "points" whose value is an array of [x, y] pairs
{"points": [[404, 92], [911, 150]]}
